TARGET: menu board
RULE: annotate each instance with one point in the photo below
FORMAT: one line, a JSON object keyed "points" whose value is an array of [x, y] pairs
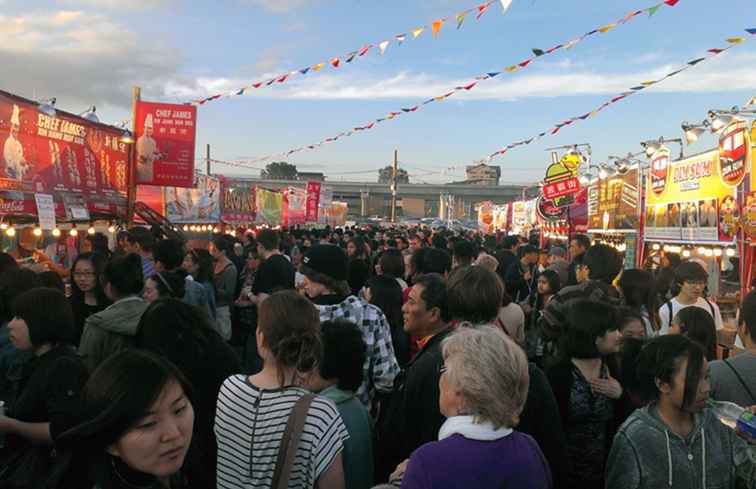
{"points": [[613, 202]]}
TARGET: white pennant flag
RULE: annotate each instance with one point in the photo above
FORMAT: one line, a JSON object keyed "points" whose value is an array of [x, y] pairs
{"points": [[751, 102], [505, 5], [382, 46]]}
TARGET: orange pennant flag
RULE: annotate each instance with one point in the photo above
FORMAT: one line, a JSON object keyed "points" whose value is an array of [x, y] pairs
{"points": [[511, 69], [437, 26], [335, 62], [417, 32], [318, 67]]}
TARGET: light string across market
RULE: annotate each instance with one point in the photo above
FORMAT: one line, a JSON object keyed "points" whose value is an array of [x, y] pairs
{"points": [[381, 47], [536, 54]]}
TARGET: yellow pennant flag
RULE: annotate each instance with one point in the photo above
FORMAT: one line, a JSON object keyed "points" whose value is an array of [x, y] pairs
{"points": [[607, 28], [417, 32], [436, 26], [648, 83], [318, 67], [511, 69], [735, 40], [460, 18]]}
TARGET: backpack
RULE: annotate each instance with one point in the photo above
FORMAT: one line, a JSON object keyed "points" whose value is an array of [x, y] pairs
{"points": [[670, 309]]}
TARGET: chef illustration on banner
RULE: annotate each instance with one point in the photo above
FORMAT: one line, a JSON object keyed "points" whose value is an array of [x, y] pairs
{"points": [[16, 165], [147, 152]]}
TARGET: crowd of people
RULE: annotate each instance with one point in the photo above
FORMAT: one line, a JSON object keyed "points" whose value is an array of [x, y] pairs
{"points": [[364, 358]]}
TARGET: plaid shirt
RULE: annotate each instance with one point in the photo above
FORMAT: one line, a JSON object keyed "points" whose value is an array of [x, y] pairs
{"points": [[380, 366]]}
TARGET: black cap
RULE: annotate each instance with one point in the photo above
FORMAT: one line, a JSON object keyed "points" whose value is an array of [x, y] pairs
{"points": [[328, 260]]}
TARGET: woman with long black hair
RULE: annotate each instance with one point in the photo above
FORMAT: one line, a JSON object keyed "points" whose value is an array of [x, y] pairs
{"points": [[358, 253], [384, 292], [639, 294], [87, 294]]}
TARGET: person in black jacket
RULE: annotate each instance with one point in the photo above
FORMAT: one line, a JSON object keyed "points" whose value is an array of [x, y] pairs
{"points": [[521, 275], [506, 255], [412, 416], [181, 334], [578, 246]]}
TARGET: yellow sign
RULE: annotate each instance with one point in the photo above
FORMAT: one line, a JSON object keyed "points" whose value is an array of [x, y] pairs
{"points": [[693, 178]]}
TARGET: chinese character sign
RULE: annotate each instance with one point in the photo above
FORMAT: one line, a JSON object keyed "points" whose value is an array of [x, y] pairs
{"points": [[43, 153], [238, 201], [165, 144]]}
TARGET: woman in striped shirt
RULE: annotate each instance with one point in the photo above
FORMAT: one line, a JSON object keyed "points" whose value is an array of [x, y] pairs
{"points": [[252, 411]]}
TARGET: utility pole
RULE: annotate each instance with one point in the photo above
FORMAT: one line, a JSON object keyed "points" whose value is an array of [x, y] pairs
{"points": [[136, 96], [393, 185], [207, 158]]}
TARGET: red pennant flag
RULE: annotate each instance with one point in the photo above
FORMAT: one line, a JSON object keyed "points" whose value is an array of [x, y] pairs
{"points": [[257, 85], [283, 78], [555, 130], [370, 126], [468, 87], [525, 63], [335, 62], [671, 3], [365, 49], [715, 50], [481, 10]]}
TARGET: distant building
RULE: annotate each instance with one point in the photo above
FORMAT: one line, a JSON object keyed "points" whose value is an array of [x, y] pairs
{"points": [[482, 174], [310, 176]]}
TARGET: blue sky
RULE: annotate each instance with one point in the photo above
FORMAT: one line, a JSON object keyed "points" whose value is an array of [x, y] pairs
{"points": [[92, 51]]}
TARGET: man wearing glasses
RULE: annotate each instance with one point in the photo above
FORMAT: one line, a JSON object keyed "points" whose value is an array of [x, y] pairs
{"points": [[690, 280]]}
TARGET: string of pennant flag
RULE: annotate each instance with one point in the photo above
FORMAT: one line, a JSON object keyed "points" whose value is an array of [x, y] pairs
{"points": [[537, 54], [710, 53], [381, 47]]}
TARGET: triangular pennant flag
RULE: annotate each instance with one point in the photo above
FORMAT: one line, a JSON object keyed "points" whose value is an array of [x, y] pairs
{"points": [[751, 31], [350, 56], [482, 10], [735, 40], [541, 134], [335, 62], [283, 78], [555, 130], [751, 102], [439, 98], [671, 3], [695, 61], [318, 67], [570, 44], [382, 46], [460, 18], [400, 38], [551, 50], [715, 50], [269, 82], [584, 116], [429, 101], [505, 4], [630, 16], [607, 28], [525, 63], [537, 52], [468, 87], [648, 83], [492, 74], [365, 49], [417, 32], [257, 85], [652, 10], [511, 69], [240, 92], [675, 72], [639, 87], [370, 126], [482, 77], [618, 98], [436, 26], [304, 70]]}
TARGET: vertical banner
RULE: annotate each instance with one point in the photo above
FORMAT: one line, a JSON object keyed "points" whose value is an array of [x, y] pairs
{"points": [[296, 208], [45, 211], [485, 217], [165, 144], [237, 201], [313, 201], [269, 206]]}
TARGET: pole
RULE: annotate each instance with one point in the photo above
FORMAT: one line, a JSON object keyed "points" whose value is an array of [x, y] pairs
{"points": [[207, 158], [131, 191], [393, 185]]}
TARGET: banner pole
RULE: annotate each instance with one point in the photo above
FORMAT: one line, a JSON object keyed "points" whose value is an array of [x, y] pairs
{"points": [[131, 170]]}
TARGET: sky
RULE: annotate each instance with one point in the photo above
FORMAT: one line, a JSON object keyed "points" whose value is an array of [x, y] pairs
{"points": [[91, 52]]}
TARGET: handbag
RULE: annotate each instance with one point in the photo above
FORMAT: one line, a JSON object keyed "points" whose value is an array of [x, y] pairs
{"points": [[290, 441]]}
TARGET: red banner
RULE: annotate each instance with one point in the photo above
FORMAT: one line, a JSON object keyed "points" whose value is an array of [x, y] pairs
{"points": [[295, 204], [313, 201], [64, 153], [165, 144], [237, 201], [559, 189]]}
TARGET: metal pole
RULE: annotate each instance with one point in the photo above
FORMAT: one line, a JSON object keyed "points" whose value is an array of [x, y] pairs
{"points": [[393, 185], [131, 168], [207, 158]]}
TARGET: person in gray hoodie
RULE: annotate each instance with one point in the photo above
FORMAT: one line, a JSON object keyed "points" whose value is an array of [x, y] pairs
{"points": [[114, 328], [676, 441]]}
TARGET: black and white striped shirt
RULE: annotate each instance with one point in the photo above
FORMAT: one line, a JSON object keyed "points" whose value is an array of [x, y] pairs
{"points": [[249, 426]]}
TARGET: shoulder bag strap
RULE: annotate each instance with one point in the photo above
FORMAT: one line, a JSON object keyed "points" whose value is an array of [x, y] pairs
{"points": [[742, 382], [669, 307], [288, 449], [711, 309]]}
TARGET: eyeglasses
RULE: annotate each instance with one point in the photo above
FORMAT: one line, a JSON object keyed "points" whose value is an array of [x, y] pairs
{"points": [[84, 274]]}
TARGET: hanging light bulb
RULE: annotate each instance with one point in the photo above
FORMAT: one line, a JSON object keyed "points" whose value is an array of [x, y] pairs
{"points": [[709, 253], [11, 231], [730, 252], [666, 249], [717, 252], [3, 225], [91, 230], [111, 229], [686, 253], [37, 231], [186, 228], [73, 231], [216, 230], [656, 247], [701, 250], [56, 232]]}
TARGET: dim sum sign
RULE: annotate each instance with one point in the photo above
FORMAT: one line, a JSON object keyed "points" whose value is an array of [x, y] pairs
{"points": [[734, 153]]}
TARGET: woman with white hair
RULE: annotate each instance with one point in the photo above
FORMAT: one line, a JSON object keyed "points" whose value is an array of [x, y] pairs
{"points": [[484, 385]]}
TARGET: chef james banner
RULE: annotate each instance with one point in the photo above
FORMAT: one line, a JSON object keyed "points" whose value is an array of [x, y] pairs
{"points": [[165, 144], [64, 153]]}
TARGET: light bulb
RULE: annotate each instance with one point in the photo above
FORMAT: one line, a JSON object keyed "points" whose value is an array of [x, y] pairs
{"points": [[56, 232], [656, 247], [717, 252], [666, 249], [186, 228], [686, 253], [91, 230], [73, 231], [709, 253], [730, 252], [37, 232], [11, 231], [4, 226], [701, 250], [216, 230], [112, 229]]}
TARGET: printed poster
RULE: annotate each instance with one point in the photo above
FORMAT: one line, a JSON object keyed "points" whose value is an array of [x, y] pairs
{"points": [[238, 201], [615, 203], [165, 144], [269, 207], [198, 205]]}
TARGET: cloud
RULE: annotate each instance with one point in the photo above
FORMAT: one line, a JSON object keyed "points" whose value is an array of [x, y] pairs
{"points": [[81, 58], [117, 4], [722, 74], [280, 6]]}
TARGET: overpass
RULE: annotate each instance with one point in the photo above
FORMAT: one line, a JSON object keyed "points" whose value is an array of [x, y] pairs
{"points": [[413, 199]]}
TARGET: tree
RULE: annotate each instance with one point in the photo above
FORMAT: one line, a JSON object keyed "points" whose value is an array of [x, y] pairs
{"points": [[279, 170], [384, 175]]}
